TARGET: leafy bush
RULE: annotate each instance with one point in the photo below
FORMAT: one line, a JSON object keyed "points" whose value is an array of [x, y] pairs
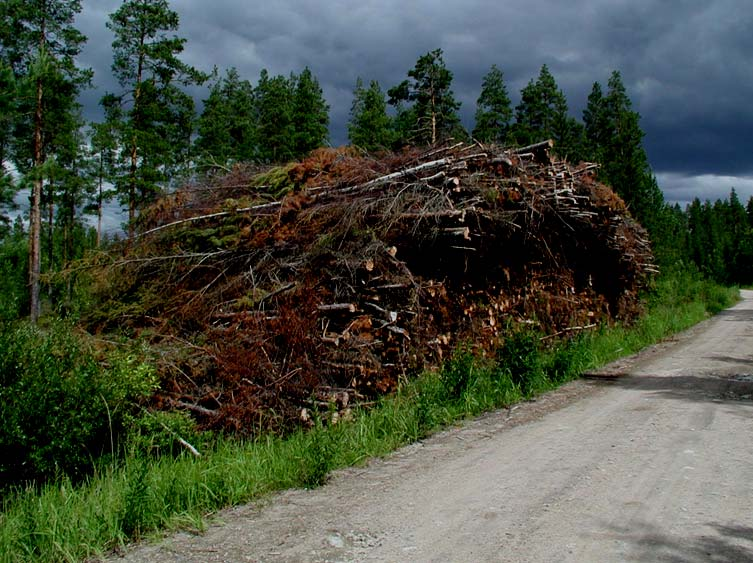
{"points": [[61, 405]]}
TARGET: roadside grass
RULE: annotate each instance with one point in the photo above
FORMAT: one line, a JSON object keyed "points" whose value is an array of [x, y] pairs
{"points": [[140, 497]]}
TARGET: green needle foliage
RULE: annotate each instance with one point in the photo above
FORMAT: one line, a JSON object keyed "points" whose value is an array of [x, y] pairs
{"points": [[310, 114], [543, 114], [154, 116], [431, 115], [274, 107], [227, 125], [493, 109], [369, 128], [39, 43]]}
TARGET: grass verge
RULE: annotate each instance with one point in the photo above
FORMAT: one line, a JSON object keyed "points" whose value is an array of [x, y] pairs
{"points": [[137, 497]]}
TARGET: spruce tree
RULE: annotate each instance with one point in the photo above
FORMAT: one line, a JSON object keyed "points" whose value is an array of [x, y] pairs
{"points": [[543, 114], [369, 127], [432, 116], [749, 211], [310, 114], [738, 252], [274, 117], [540, 101], [596, 126], [493, 109], [156, 116], [227, 125], [624, 162]]}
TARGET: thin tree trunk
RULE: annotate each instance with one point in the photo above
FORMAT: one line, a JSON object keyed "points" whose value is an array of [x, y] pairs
{"points": [[50, 223], [433, 117], [132, 190], [35, 213], [99, 199], [68, 244]]}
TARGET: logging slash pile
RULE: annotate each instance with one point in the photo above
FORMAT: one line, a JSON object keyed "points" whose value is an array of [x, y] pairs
{"points": [[271, 292]]}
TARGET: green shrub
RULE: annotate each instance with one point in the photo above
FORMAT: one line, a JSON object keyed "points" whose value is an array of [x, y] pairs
{"points": [[457, 372], [520, 356], [567, 360], [158, 433], [61, 405]]}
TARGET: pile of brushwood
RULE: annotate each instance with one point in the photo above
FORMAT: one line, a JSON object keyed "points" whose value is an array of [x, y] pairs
{"points": [[271, 293]]}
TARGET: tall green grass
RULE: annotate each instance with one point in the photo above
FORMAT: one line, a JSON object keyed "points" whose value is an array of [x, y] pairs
{"points": [[141, 496]]}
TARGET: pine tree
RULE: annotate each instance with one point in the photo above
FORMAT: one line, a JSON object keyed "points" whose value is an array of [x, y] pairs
{"points": [[156, 126], [274, 117], [227, 125], [369, 128], [40, 44], [432, 116], [493, 109], [310, 114]]}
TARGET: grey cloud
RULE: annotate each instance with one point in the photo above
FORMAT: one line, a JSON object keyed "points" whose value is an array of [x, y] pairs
{"points": [[684, 188]]}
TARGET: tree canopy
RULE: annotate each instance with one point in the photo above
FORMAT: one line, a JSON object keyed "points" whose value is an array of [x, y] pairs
{"points": [[227, 125], [154, 114], [431, 114], [150, 137], [493, 109], [39, 43], [369, 127]]}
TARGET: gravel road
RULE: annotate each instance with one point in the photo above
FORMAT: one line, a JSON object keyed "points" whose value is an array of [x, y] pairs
{"points": [[650, 461]]}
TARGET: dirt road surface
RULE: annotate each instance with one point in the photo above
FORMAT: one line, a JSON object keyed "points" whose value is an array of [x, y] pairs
{"points": [[654, 465]]}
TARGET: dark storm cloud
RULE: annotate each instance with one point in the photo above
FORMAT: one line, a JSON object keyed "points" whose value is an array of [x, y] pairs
{"points": [[687, 64]]}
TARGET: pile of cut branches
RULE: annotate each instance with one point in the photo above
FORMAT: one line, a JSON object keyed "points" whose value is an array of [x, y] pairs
{"points": [[366, 271]]}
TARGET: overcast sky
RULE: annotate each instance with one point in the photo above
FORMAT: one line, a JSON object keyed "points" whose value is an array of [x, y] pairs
{"points": [[687, 64]]}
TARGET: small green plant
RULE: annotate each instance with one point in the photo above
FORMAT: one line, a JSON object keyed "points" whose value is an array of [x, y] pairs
{"points": [[135, 501], [319, 460], [458, 371], [520, 356], [423, 402], [567, 360]]}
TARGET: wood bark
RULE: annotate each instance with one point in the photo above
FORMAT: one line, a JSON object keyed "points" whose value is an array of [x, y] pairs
{"points": [[35, 213]]}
